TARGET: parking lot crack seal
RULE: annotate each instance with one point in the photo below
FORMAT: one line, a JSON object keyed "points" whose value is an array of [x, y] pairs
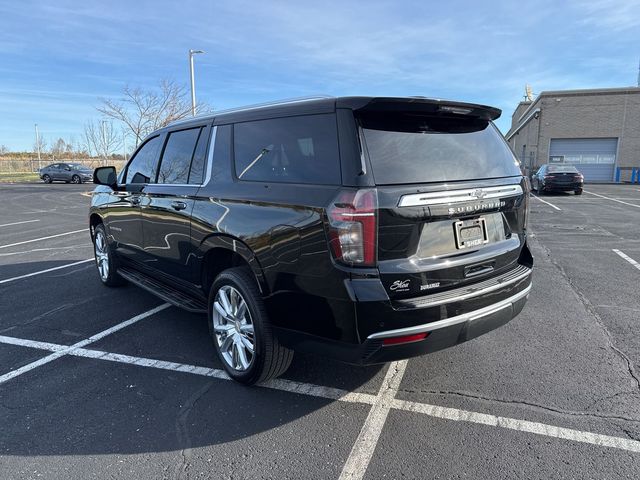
{"points": [[547, 408], [182, 429], [591, 309]]}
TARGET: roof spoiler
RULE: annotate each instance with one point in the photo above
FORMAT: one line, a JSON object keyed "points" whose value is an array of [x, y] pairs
{"points": [[418, 105]]}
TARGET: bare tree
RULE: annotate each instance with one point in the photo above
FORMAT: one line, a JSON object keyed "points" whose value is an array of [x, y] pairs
{"points": [[59, 148], [40, 145], [143, 111], [101, 138], [4, 150]]}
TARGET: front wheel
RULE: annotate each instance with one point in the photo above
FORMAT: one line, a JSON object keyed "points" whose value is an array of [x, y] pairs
{"points": [[46, 179], [242, 335], [579, 191], [105, 260], [76, 179]]}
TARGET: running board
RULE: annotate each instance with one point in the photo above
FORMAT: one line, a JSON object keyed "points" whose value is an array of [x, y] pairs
{"points": [[165, 292]]}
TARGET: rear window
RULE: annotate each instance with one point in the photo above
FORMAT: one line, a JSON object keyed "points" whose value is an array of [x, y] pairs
{"points": [[408, 148], [300, 149], [562, 169]]}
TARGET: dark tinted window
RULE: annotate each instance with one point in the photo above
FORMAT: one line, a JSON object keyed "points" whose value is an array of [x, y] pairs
{"points": [[420, 149], [199, 158], [142, 168], [176, 159], [295, 149], [221, 151], [562, 169]]}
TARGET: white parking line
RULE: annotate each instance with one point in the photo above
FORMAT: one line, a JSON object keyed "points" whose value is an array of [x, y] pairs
{"points": [[381, 404], [18, 223], [627, 258], [519, 425], [45, 238], [69, 349], [40, 272], [365, 445], [544, 201], [276, 384], [612, 199]]}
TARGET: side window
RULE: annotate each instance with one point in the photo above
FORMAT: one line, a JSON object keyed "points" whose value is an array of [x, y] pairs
{"points": [[176, 159], [199, 158], [301, 149], [142, 168]]}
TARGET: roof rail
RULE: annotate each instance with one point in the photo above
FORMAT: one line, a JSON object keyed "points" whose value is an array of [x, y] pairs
{"points": [[252, 107]]}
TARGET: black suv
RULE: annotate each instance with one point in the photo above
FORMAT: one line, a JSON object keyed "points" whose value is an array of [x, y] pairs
{"points": [[366, 229]]}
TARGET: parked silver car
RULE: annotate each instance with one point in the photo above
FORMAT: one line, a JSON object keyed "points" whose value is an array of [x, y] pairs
{"points": [[66, 172]]}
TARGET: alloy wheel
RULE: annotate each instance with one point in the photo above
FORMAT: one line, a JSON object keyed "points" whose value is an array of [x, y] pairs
{"points": [[233, 328], [102, 255]]}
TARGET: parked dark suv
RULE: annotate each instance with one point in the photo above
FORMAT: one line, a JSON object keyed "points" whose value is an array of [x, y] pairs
{"points": [[365, 229]]}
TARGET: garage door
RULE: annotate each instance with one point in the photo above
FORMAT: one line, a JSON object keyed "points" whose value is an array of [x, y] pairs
{"points": [[594, 157]]}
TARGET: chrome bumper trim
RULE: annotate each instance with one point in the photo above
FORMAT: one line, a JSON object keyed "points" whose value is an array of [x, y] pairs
{"points": [[448, 322], [474, 290]]}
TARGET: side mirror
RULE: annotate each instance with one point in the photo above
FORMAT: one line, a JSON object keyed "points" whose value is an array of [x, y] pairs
{"points": [[106, 176]]}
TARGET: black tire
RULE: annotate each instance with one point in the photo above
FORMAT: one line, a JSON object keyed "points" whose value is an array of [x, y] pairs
{"points": [[76, 179], [46, 178], [106, 261], [269, 359], [579, 191]]}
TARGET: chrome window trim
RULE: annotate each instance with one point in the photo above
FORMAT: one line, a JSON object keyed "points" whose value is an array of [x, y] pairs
{"points": [[459, 196], [448, 322]]}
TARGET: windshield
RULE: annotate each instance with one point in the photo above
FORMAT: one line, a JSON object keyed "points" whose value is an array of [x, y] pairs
{"points": [[406, 148], [76, 166], [562, 169]]}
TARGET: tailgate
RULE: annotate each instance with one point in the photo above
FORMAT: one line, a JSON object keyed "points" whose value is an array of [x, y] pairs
{"points": [[435, 239]]}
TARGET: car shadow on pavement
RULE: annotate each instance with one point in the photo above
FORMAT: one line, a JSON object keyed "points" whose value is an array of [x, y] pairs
{"points": [[86, 406]]}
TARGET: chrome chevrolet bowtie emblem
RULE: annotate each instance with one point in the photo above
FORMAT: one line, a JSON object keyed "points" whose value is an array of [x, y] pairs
{"points": [[479, 193]]}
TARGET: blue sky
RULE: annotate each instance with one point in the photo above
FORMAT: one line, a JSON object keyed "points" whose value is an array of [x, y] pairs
{"points": [[57, 58]]}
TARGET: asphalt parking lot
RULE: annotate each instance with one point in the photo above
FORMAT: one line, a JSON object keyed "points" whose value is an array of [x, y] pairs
{"points": [[112, 383]]}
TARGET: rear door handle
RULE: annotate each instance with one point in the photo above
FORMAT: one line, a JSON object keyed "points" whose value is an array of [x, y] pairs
{"points": [[178, 205]]}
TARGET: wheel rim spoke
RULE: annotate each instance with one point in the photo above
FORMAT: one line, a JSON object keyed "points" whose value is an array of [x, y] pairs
{"points": [[246, 343], [224, 300], [220, 309], [242, 355], [226, 329]]}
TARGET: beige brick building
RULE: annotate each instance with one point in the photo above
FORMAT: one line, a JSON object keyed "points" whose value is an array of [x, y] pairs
{"points": [[597, 130]]}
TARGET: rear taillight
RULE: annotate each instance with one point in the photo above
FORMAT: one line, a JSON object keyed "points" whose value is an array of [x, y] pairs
{"points": [[353, 223]]}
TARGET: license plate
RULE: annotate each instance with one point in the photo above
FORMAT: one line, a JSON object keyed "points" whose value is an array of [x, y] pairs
{"points": [[471, 233]]}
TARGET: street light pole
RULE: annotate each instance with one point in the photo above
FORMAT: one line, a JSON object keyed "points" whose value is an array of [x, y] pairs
{"points": [[38, 146], [193, 82]]}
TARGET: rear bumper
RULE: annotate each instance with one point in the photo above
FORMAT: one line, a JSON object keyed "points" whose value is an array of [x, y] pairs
{"points": [[448, 332], [441, 334], [548, 186]]}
